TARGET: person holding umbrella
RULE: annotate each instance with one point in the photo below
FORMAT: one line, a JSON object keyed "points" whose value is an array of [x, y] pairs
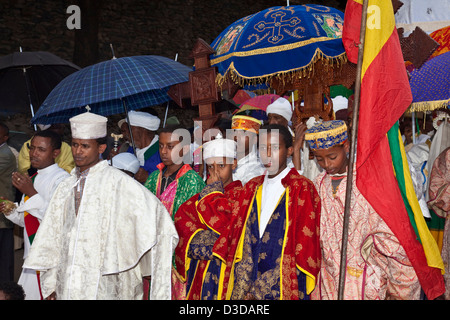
{"points": [[143, 126], [103, 231]]}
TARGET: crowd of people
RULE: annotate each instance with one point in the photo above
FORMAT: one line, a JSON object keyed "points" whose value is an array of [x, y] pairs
{"points": [[253, 210]]}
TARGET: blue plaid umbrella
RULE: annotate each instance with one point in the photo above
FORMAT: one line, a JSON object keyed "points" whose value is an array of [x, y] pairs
{"points": [[112, 87], [277, 42]]}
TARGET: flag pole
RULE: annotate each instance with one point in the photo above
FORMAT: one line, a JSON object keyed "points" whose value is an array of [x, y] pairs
{"points": [[348, 194]]}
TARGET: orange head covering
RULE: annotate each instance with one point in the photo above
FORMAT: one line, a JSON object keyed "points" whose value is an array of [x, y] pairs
{"points": [[245, 123]]}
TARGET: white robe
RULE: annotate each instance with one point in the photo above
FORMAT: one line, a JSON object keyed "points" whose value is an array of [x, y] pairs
{"points": [[122, 232], [45, 184], [248, 167]]}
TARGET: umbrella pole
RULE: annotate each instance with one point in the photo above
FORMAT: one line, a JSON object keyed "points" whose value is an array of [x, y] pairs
{"points": [[348, 194], [29, 95], [129, 126], [167, 106], [165, 116]]}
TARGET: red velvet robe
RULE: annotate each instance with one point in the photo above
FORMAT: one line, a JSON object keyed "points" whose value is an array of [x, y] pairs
{"points": [[301, 247], [209, 210]]}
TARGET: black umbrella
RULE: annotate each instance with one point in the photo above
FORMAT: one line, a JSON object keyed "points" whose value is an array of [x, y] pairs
{"points": [[26, 78]]}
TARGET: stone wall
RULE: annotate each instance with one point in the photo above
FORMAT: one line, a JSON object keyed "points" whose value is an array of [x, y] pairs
{"points": [[133, 27]]}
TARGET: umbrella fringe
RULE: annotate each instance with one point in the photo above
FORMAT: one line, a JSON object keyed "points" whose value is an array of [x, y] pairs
{"points": [[428, 105], [287, 76]]}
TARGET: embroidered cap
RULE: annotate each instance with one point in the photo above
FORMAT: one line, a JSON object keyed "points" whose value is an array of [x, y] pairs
{"points": [[88, 125], [245, 123], [219, 147], [326, 134]]}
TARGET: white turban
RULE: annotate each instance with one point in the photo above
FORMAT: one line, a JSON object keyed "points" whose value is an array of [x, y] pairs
{"points": [[126, 161], [282, 107], [144, 120], [88, 125], [219, 148], [339, 103]]}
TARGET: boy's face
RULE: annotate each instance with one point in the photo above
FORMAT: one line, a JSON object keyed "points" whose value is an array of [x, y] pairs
{"points": [[273, 153], [171, 149], [222, 167], [333, 160]]}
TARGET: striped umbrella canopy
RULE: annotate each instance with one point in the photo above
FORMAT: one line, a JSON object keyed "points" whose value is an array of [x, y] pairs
{"points": [[111, 87]]}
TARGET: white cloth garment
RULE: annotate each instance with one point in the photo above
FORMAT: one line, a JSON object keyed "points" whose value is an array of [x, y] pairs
{"points": [[144, 120], [282, 107], [126, 161], [45, 183], [272, 189], [219, 147], [140, 153], [122, 232], [248, 167], [428, 15], [441, 141]]}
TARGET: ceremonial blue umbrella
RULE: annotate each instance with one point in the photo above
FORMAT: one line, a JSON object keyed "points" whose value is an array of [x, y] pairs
{"points": [[278, 41], [112, 87]]}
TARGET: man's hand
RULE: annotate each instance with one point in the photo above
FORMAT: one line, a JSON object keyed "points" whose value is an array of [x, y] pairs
{"points": [[300, 130], [6, 206], [23, 183], [213, 176]]}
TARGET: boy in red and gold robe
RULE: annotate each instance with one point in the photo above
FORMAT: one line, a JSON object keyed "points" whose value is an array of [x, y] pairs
{"points": [[277, 255], [203, 223]]}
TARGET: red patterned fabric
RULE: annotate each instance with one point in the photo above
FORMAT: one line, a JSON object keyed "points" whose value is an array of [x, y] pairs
{"points": [[302, 249], [212, 212]]}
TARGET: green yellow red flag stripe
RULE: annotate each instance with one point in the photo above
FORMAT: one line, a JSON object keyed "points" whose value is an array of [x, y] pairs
{"points": [[384, 96], [401, 169]]}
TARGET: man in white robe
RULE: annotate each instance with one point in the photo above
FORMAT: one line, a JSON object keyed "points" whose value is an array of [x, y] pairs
{"points": [[38, 190], [143, 128], [103, 231]]}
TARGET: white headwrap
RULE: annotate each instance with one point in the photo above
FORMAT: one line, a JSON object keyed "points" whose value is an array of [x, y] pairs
{"points": [[144, 120], [339, 103], [219, 147], [126, 161], [88, 125], [282, 107]]}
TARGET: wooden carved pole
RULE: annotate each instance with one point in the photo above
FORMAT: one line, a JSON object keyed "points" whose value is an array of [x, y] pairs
{"points": [[348, 195]]}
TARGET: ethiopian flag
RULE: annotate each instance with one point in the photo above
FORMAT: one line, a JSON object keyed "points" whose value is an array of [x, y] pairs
{"points": [[384, 97]]}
